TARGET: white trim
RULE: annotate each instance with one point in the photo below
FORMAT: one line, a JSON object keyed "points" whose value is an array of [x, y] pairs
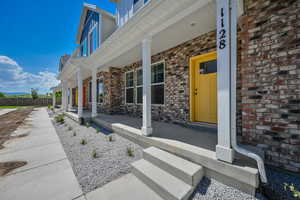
{"points": [[125, 80]]}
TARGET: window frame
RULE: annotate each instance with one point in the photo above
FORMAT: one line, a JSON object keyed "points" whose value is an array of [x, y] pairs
{"points": [[138, 86], [132, 87], [90, 33], [153, 84]]}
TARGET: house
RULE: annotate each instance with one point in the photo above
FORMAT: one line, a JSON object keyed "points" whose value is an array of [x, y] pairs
{"points": [[186, 62]]}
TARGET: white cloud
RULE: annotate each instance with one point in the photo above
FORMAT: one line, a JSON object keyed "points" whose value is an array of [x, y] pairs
{"points": [[14, 79]]}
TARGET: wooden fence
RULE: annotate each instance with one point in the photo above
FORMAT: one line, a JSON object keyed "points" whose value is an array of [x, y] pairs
{"points": [[28, 101]]}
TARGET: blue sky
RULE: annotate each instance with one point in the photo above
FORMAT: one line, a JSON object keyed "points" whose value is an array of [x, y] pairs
{"points": [[33, 36]]}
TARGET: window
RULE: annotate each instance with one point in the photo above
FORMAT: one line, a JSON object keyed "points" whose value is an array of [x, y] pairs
{"points": [[158, 83], [100, 91], [139, 86], [93, 40], [84, 48], [135, 1], [90, 91], [129, 89]]}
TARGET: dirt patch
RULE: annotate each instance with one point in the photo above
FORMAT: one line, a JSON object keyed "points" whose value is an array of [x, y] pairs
{"points": [[9, 122], [6, 167]]}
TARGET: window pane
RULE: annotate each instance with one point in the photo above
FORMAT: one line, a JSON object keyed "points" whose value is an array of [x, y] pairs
{"points": [[157, 73], [158, 93], [91, 43], [139, 94], [139, 77], [100, 92], [208, 67], [90, 92], [129, 79], [95, 38], [129, 95]]}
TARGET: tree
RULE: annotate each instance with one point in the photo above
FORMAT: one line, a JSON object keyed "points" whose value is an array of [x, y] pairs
{"points": [[34, 93], [2, 95]]}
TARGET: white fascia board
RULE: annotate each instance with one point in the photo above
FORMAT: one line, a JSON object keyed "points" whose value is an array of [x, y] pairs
{"points": [[150, 20]]}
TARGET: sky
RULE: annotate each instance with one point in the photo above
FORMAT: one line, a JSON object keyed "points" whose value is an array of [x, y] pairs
{"points": [[33, 36]]}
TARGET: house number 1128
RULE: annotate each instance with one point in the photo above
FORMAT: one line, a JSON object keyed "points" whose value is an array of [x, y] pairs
{"points": [[222, 32]]}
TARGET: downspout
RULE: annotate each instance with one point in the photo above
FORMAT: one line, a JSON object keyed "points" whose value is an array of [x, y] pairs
{"points": [[233, 38]]}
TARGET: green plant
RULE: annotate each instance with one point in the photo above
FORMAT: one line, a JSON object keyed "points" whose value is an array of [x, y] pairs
{"points": [[130, 151], [60, 119], [94, 154], [87, 124], [2, 95], [293, 189], [49, 106], [83, 142], [110, 138]]}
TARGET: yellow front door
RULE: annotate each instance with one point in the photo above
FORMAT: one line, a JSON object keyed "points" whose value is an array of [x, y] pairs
{"points": [[204, 88], [76, 97]]}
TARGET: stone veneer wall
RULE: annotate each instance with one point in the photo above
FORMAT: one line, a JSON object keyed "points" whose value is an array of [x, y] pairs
{"points": [[270, 84]]}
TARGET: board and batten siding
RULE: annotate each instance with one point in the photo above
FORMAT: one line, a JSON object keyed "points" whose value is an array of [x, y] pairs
{"points": [[126, 9]]}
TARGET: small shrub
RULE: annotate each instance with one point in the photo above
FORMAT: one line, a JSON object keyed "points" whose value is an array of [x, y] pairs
{"points": [[60, 119], [293, 190], [110, 138], [94, 154], [130, 151], [87, 124], [74, 133], [83, 142], [49, 106]]}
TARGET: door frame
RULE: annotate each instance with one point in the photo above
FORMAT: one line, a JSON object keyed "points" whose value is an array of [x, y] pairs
{"points": [[203, 57]]}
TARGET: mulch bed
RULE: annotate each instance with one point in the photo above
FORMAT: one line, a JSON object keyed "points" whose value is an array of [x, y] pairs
{"points": [[9, 122], [6, 167]]}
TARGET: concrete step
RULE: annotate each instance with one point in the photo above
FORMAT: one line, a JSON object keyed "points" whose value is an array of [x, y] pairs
{"points": [[185, 170], [164, 184]]}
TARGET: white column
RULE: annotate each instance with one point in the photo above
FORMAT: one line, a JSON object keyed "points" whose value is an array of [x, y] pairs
{"points": [[80, 90], [224, 151], [71, 99], [64, 96], [94, 93], [147, 127], [54, 98]]}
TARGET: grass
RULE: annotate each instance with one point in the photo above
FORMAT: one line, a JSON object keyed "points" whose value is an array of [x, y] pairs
{"points": [[60, 119], [11, 107], [94, 154], [83, 142], [110, 138]]}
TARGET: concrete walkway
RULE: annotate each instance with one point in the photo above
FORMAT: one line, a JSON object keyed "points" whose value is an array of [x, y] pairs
{"points": [[6, 110], [48, 173]]}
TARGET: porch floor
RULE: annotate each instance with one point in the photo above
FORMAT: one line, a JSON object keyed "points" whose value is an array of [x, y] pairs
{"points": [[203, 137]]}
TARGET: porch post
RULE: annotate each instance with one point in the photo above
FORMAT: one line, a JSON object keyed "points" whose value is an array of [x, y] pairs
{"points": [[54, 98], [71, 99], [64, 96], [224, 151], [94, 92], [80, 90], [147, 128]]}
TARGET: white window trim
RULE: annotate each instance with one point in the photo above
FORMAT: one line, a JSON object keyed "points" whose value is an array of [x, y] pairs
{"points": [[99, 80], [138, 86], [89, 38], [125, 80]]}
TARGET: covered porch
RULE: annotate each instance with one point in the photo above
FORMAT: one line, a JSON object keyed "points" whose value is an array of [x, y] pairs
{"points": [[216, 149]]}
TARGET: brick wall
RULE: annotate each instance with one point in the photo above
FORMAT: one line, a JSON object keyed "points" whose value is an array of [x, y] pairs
{"points": [[270, 74]]}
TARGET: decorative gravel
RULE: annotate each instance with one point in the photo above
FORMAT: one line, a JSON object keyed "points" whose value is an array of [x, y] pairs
{"points": [[210, 189], [111, 163]]}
